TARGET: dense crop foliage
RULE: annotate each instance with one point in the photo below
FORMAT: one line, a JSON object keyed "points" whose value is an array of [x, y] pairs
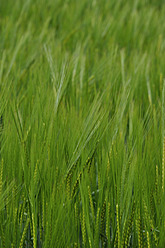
{"points": [[82, 121]]}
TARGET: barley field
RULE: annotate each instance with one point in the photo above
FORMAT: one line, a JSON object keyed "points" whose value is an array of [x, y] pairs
{"points": [[82, 123]]}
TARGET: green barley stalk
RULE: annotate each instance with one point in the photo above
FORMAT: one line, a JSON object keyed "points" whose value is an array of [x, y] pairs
{"points": [[97, 228], [22, 211], [1, 175], [3, 237], [7, 207], [130, 223], [108, 169], [43, 212], [68, 185], [40, 220], [50, 231], [150, 223], [91, 204], [99, 180], [29, 213], [163, 158], [26, 153], [24, 233]]}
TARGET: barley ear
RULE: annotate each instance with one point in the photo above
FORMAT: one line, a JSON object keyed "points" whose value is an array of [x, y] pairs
{"points": [[118, 225], [97, 228], [139, 231], [34, 232], [76, 184], [1, 175], [83, 228], [108, 222], [102, 229], [148, 240], [163, 165], [156, 182]]}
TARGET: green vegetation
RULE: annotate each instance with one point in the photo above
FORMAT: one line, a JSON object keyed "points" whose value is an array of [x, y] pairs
{"points": [[82, 121]]}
